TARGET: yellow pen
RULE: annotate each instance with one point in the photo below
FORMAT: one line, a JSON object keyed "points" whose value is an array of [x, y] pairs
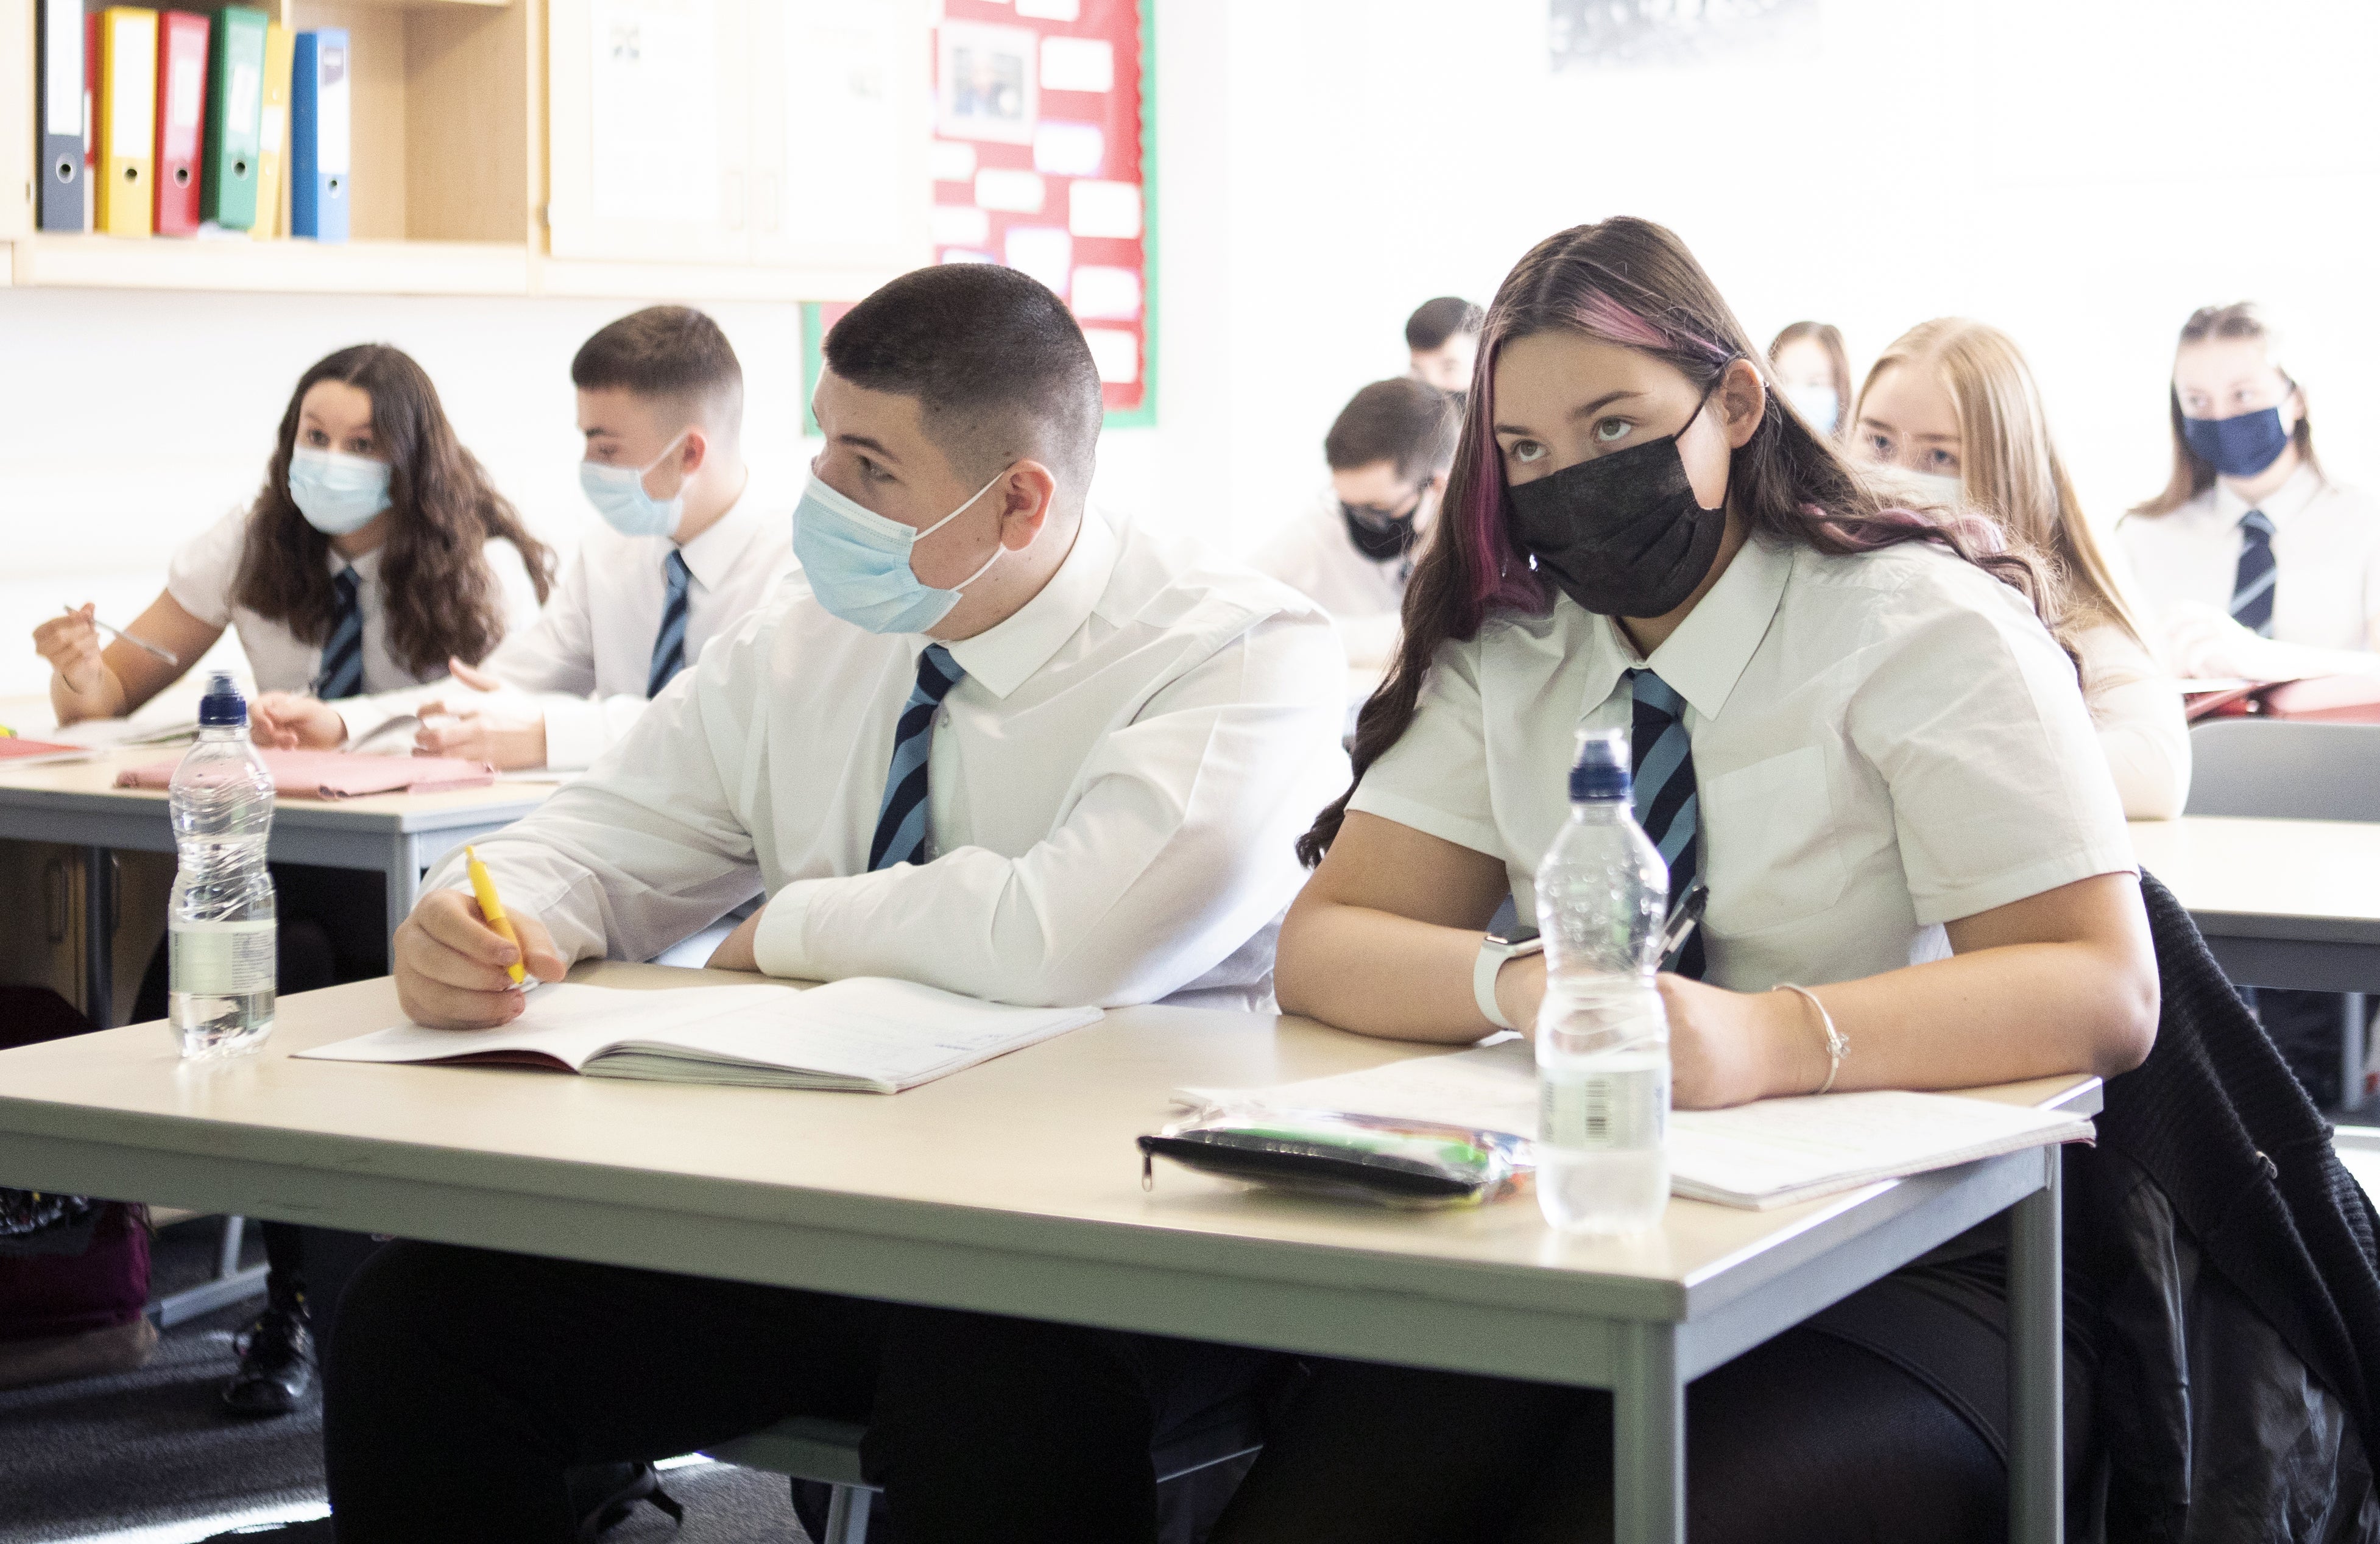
{"points": [[484, 885]]}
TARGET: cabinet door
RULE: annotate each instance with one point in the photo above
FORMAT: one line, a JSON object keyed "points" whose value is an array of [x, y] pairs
{"points": [[651, 129], [841, 115]]}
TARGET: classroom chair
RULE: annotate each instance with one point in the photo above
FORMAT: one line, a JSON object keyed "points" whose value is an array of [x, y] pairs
{"points": [[828, 1453], [2279, 769]]}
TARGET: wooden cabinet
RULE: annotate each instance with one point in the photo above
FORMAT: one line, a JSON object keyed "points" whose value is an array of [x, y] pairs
{"points": [[697, 148]]}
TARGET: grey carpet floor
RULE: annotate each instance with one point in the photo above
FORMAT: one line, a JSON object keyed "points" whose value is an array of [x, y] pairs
{"points": [[150, 1457]]}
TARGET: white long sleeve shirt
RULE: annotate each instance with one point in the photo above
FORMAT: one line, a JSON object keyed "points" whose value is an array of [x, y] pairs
{"points": [[2326, 558], [2136, 708], [1114, 789], [1313, 556]]}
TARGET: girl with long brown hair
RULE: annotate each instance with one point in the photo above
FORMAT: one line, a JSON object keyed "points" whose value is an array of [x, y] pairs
{"points": [[1953, 400], [1848, 719], [2257, 564], [1811, 366]]}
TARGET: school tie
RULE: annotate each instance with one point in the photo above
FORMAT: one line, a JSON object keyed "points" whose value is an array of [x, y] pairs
{"points": [[342, 672], [900, 820], [669, 644], [1666, 807], [2251, 593]]}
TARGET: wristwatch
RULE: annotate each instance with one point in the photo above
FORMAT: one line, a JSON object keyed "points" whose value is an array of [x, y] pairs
{"points": [[1494, 950]]}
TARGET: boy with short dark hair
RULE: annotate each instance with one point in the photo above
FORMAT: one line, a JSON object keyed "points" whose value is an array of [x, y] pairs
{"points": [[1442, 335]]}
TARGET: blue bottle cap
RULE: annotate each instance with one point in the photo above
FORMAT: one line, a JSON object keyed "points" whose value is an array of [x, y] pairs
{"points": [[1601, 770], [223, 706]]}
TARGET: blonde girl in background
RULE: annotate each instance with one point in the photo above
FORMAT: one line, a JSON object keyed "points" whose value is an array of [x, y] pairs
{"points": [[1951, 402]]}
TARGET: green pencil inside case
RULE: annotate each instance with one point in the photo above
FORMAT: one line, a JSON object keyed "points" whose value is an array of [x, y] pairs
{"points": [[1387, 1163]]}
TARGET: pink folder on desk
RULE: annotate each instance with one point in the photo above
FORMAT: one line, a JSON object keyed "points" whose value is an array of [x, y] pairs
{"points": [[340, 774]]}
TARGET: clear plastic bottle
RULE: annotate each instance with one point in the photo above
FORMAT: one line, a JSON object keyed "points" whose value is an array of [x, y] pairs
{"points": [[1603, 1039], [221, 920]]}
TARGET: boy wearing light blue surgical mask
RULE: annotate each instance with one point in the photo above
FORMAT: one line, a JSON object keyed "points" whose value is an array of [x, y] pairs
{"points": [[681, 554]]}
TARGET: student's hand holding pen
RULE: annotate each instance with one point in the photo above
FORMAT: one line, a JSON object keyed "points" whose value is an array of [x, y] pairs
{"points": [[454, 971], [71, 645]]}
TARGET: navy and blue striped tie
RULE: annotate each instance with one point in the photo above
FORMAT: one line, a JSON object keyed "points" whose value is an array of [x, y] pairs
{"points": [[901, 819], [342, 671], [669, 644], [1663, 767], [2252, 592]]}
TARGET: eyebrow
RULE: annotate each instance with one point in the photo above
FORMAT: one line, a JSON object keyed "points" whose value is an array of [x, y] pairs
{"points": [[1934, 439], [864, 443], [1584, 411]]}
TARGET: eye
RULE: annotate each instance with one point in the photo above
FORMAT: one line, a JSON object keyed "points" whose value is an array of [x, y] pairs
{"points": [[1527, 452], [316, 439], [1942, 460], [1607, 431]]}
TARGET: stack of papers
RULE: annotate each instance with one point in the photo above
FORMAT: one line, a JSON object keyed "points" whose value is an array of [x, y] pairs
{"points": [[1756, 1156], [863, 1035]]}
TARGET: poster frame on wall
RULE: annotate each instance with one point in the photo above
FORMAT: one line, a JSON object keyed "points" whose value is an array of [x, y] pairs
{"points": [[1143, 415]]}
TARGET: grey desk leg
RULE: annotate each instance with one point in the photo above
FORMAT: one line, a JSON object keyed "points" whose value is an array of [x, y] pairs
{"points": [[2038, 1366], [2351, 1053], [402, 880], [1648, 1436], [99, 937]]}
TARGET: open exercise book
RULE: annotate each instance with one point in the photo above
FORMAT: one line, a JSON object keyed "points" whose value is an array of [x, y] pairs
{"points": [[864, 1035], [1756, 1156]]}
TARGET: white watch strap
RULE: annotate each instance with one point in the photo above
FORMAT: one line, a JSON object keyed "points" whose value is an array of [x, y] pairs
{"points": [[1492, 955]]}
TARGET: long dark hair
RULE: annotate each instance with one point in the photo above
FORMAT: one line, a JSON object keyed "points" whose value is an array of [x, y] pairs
{"points": [[2193, 473], [1632, 283], [440, 598]]}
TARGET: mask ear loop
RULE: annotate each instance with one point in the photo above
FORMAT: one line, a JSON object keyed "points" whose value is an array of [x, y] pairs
{"points": [[997, 548]]}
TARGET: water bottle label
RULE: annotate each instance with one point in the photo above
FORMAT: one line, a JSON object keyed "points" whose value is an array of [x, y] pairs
{"points": [[1604, 1112], [220, 959]]}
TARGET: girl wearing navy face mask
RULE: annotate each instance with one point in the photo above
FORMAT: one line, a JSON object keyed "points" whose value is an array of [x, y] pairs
{"points": [[376, 550], [2258, 564]]}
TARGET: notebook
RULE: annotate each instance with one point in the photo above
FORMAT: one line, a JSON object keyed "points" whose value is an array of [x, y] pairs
{"points": [[1771, 1153], [340, 774], [16, 751], [862, 1035]]}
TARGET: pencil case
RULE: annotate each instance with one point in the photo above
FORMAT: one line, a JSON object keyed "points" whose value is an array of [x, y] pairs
{"points": [[1358, 1158]]}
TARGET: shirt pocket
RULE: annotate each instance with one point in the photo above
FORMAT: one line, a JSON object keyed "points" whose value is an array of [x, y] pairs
{"points": [[1770, 844]]}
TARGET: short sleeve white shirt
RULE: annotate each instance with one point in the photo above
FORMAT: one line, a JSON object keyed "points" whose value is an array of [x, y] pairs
{"points": [[1882, 743], [2326, 558], [201, 575]]}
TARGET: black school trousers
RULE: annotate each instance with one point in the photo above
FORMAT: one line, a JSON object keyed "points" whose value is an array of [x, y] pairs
{"points": [[461, 1383]]}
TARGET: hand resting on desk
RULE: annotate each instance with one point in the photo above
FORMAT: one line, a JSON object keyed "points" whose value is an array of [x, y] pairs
{"points": [[450, 966], [292, 721], [507, 734]]}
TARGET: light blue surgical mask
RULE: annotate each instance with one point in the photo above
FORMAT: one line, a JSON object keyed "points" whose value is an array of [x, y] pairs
{"points": [[618, 494], [1818, 404], [858, 561], [336, 492]]}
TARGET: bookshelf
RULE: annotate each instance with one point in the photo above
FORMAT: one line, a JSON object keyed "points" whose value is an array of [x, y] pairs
{"points": [[476, 165]]}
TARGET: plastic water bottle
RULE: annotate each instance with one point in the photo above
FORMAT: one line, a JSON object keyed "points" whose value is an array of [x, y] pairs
{"points": [[220, 921], [1603, 1039]]}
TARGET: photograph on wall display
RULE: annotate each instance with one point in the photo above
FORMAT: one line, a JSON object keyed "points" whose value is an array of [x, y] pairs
{"points": [[1633, 34], [986, 87]]}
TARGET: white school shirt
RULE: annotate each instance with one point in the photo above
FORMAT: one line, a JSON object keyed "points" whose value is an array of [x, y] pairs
{"points": [[2326, 558], [2136, 708], [1114, 791], [1313, 556], [202, 573], [589, 653], [1882, 743]]}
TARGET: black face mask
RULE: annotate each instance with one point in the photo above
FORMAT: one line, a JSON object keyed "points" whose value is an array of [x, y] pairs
{"points": [[1623, 534], [1378, 536]]}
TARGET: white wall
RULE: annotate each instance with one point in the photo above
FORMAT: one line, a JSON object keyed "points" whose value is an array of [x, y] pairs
{"points": [[2080, 172]]}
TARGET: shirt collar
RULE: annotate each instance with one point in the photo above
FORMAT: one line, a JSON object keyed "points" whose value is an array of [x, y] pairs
{"points": [[1703, 659], [2283, 502], [365, 566], [711, 556], [1003, 657]]}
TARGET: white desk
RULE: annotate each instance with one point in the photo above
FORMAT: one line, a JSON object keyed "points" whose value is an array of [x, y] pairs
{"points": [[397, 836], [1016, 1189]]}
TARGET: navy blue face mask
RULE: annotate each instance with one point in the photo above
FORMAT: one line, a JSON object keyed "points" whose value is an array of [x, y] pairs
{"points": [[2239, 447]]}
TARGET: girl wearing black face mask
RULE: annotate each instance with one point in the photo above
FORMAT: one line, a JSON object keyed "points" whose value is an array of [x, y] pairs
{"points": [[2258, 566], [1849, 720]]}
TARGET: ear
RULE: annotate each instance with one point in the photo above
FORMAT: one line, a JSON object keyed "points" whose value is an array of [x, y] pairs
{"points": [[1742, 399], [693, 452], [1027, 494], [1437, 484]]}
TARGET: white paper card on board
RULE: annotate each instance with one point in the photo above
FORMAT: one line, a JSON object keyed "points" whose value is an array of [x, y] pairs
{"points": [[1011, 192], [1077, 65], [1103, 208], [654, 78], [960, 224], [951, 161], [985, 85], [1106, 294], [1045, 252], [1050, 10], [1116, 355], [1070, 149]]}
